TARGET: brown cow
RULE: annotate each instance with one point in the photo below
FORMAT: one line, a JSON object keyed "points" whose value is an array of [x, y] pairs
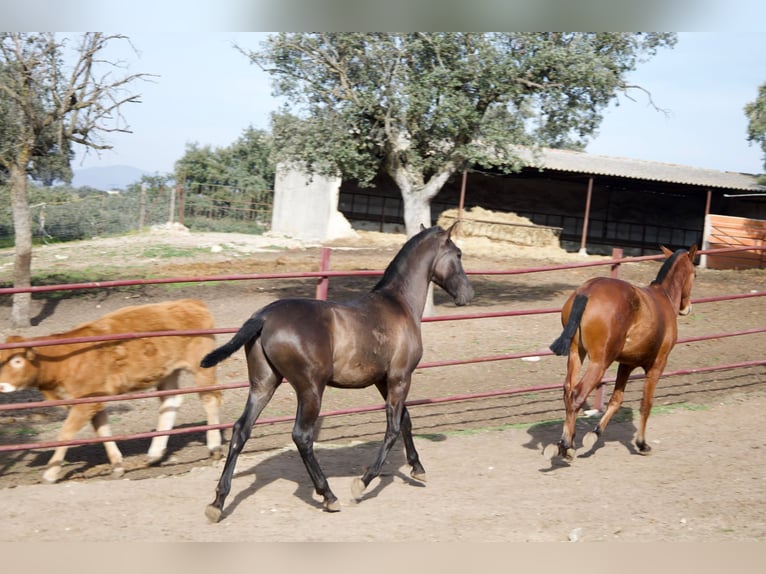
{"points": [[74, 370]]}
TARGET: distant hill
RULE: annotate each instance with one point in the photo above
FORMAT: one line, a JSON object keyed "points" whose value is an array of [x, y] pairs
{"points": [[108, 177]]}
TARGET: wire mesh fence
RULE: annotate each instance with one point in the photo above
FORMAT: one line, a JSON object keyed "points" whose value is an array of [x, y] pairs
{"points": [[124, 212]]}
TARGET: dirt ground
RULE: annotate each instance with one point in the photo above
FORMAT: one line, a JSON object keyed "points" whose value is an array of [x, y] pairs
{"points": [[487, 481]]}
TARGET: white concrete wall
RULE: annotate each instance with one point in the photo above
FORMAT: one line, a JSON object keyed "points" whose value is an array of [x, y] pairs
{"points": [[306, 207]]}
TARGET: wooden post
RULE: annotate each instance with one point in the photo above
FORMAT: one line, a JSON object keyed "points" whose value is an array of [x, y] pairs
{"points": [[615, 268]]}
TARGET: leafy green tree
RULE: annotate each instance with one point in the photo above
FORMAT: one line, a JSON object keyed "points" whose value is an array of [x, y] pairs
{"points": [[756, 129], [245, 164], [232, 180], [48, 103], [422, 106]]}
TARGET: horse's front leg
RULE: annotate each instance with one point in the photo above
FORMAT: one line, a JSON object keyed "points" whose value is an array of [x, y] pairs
{"points": [[396, 395], [647, 400], [309, 403], [418, 472]]}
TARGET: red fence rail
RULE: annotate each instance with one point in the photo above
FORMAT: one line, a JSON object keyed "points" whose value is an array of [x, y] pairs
{"points": [[322, 276]]}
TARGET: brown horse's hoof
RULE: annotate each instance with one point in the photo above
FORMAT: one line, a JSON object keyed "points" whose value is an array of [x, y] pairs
{"points": [[357, 488], [551, 451], [213, 514], [569, 455], [589, 440]]}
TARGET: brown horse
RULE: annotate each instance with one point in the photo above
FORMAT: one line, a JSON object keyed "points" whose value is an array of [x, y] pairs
{"points": [[610, 320], [373, 340]]}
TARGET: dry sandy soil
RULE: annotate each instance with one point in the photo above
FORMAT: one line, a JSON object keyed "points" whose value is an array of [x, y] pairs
{"points": [[487, 481]]}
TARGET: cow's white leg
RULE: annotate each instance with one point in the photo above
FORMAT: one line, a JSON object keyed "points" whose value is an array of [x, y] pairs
{"points": [[212, 404], [101, 426], [77, 418], [168, 411]]}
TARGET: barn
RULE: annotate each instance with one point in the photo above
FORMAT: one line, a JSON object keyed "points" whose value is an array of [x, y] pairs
{"points": [[594, 202]]}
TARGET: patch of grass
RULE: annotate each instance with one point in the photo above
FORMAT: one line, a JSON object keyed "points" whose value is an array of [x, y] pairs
{"points": [[170, 251], [625, 414]]}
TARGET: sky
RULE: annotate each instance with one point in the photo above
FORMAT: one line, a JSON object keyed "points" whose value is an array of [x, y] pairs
{"points": [[208, 92]]}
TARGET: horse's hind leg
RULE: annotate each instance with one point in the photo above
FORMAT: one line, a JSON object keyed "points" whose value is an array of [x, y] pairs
{"points": [[309, 402], [259, 396], [574, 398], [615, 402]]}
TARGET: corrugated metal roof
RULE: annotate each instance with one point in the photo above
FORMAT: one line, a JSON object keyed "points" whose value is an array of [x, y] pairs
{"points": [[580, 162]]}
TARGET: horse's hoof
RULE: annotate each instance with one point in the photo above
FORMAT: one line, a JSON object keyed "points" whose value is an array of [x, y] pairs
{"points": [[213, 514], [357, 488], [589, 440], [419, 476], [551, 451], [118, 471], [331, 505], [569, 455]]}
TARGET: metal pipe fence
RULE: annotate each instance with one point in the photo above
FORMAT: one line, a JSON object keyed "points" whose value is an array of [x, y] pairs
{"points": [[322, 276]]}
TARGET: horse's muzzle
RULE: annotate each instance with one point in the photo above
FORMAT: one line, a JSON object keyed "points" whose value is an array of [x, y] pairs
{"points": [[464, 296]]}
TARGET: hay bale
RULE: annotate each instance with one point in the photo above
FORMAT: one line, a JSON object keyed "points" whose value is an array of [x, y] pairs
{"points": [[501, 226]]}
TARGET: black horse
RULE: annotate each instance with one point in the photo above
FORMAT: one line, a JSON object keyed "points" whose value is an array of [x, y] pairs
{"points": [[373, 340]]}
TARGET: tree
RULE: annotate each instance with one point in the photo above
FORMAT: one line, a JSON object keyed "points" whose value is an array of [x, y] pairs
{"points": [[756, 129], [245, 164], [46, 106], [422, 106]]}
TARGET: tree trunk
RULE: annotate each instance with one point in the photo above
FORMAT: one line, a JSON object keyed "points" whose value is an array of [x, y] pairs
{"points": [[22, 262]]}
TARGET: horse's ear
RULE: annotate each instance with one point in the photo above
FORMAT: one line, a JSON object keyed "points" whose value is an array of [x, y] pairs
{"points": [[666, 251], [452, 228], [692, 252], [422, 227]]}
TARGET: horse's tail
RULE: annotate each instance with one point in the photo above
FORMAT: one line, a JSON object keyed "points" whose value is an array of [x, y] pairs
{"points": [[249, 330], [561, 345]]}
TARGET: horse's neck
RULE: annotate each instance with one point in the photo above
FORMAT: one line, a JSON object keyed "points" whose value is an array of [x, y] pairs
{"points": [[672, 286], [411, 286]]}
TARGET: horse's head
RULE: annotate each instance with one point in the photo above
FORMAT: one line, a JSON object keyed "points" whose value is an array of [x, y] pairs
{"points": [[681, 276], [448, 270]]}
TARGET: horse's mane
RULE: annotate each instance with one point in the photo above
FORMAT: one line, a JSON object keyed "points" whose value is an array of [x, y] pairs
{"points": [[396, 267], [666, 267]]}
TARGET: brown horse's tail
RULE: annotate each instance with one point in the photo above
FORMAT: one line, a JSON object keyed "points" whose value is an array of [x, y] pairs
{"points": [[561, 345], [249, 330]]}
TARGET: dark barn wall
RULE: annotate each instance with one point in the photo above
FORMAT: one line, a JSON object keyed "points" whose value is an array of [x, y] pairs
{"points": [[635, 215]]}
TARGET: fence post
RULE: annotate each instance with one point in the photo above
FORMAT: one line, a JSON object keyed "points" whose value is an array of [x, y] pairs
{"points": [[616, 254], [324, 265]]}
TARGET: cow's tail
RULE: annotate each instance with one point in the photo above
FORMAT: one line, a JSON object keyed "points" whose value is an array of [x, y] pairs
{"points": [[561, 345], [249, 330]]}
